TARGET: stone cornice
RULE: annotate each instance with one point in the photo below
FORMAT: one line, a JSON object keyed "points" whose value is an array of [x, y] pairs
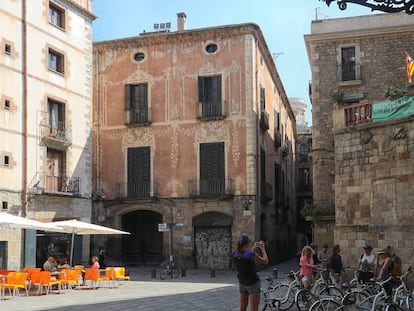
{"points": [[81, 9]]}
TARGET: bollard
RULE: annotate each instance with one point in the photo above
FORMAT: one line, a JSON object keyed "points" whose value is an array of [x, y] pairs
{"points": [[153, 273], [213, 273], [275, 273], [183, 272]]}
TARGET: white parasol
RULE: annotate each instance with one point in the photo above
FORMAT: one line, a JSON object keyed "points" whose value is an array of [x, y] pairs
{"points": [[12, 221], [83, 228]]}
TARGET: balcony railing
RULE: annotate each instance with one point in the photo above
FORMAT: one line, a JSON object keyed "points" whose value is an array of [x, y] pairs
{"points": [[267, 192], [55, 135], [142, 117], [358, 114], [55, 184], [210, 110], [264, 120], [211, 187], [136, 190]]}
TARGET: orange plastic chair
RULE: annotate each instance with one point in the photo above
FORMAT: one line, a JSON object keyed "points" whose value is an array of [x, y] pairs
{"points": [[16, 281], [35, 279], [92, 275], [47, 282], [120, 274], [78, 267]]}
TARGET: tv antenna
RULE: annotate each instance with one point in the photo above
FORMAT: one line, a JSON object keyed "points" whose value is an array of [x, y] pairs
{"points": [[276, 55]]}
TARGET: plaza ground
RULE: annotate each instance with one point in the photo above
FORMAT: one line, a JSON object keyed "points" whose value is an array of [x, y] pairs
{"points": [[196, 291]]}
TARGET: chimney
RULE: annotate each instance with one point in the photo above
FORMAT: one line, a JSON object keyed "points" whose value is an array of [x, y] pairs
{"points": [[181, 21]]}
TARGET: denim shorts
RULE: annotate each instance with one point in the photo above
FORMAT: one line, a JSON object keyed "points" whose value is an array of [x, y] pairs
{"points": [[252, 289]]}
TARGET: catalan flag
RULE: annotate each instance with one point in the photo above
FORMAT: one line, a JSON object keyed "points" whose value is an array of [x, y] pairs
{"points": [[409, 62]]}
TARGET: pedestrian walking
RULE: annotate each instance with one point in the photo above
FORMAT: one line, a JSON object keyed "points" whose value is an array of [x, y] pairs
{"points": [[335, 266], [307, 266], [366, 264], [245, 257]]}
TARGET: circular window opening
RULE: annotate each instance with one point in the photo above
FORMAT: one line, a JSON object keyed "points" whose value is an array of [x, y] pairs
{"points": [[211, 48], [139, 56]]}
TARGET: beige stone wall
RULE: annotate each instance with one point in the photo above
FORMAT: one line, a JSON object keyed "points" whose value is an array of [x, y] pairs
{"points": [[374, 182], [380, 42]]}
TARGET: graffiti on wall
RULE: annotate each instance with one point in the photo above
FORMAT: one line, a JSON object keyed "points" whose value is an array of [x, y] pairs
{"points": [[213, 247]]}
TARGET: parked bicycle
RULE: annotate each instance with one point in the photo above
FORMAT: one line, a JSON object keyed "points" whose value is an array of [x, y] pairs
{"points": [[169, 270]]}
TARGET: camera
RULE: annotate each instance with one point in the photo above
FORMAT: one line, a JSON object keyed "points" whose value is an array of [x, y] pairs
{"points": [[257, 244]]}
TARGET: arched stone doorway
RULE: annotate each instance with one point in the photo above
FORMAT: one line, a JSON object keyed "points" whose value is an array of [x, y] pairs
{"points": [[144, 245], [212, 240]]}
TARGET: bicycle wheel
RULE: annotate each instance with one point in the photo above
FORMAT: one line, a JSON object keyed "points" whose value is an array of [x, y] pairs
{"points": [[392, 307], [288, 300], [325, 304], [164, 274], [304, 299], [175, 273], [277, 292], [332, 291]]}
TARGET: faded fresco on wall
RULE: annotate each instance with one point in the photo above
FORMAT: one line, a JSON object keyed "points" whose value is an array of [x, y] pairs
{"points": [[212, 247]]}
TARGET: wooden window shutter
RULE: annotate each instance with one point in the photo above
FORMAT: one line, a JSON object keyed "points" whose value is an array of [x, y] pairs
{"points": [[142, 97], [201, 89], [139, 165], [262, 99], [216, 83], [212, 161], [128, 88]]}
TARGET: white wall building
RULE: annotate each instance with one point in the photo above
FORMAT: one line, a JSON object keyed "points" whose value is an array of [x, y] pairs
{"points": [[45, 122]]}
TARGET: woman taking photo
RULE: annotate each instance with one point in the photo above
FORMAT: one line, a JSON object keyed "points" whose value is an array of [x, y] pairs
{"points": [[245, 257]]}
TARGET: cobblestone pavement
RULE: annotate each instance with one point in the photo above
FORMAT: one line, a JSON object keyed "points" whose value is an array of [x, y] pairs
{"points": [[196, 291]]}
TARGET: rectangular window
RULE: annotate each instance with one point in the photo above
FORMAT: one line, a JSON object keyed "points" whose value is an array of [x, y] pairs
{"points": [[348, 64], [139, 172], [212, 169], [3, 254], [136, 102], [56, 61], [7, 49], [6, 160], [56, 15], [5, 205], [56, 118], [209, 95], [262, 98], [7, 104]]}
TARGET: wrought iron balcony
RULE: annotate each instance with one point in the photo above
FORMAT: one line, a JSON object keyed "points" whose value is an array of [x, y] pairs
{"points": [[266, 192], [264, 120], [142, 117], [49, 183], [136, 190], [210, 111], [55, 135], [211, 187]]}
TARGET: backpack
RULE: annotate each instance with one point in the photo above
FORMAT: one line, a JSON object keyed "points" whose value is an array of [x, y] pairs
{"points": [[397, 266]]}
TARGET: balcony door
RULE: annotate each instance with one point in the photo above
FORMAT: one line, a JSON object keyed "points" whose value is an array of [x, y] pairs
{"points": [[139, 172], [56, 118], [212, 169], [54, 169]]}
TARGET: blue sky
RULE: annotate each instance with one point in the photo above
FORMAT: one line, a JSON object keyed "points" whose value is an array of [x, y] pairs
{"points": [[283, 24]]}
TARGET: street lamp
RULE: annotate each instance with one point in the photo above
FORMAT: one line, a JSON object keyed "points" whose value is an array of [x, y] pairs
{"points": [[389, 6]]}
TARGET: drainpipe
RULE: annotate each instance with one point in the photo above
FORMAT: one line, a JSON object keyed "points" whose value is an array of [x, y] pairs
{"points": [[24, 111], [98, 128], [24, 195]]}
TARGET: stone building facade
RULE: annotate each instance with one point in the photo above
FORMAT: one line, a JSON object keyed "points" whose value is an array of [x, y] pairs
{"points": [[358, 164], [45, 123], [192, 128], [304, 197]]}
